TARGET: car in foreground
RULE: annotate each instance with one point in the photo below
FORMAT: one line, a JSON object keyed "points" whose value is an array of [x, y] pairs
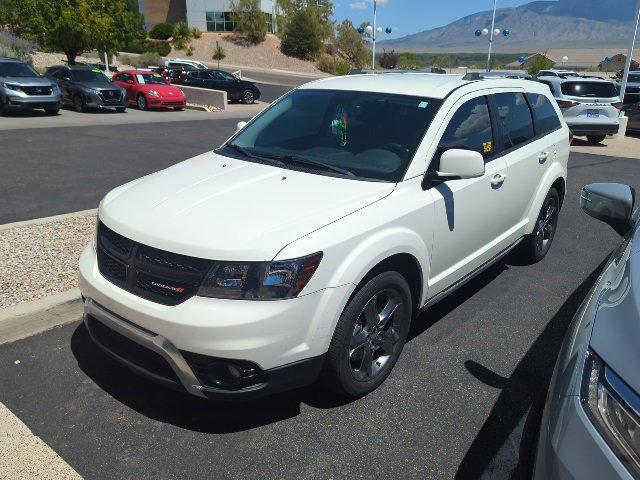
{"points": [[23, 89], [591, 422], [305, 245], [237, 89], [590, 106], [87, 88], [149, 90]]}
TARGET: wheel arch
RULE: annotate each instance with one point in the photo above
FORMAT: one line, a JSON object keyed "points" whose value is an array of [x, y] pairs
{"points": [[554, 178]]}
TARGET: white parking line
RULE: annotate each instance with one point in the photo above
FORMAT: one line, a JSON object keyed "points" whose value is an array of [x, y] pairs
{"points": [[24, 456]]}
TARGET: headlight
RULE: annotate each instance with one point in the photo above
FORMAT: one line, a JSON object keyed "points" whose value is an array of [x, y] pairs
{"points": [[11, 86], [154, 93], [55, 89], [259, 281], [614, 409], [89, 90], [181, 92]]}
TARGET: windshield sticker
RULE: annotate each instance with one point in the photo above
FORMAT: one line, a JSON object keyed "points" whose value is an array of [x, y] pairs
{"points": [[96, 70], [423, 104], [157, 75], [340, 125], [140, 79]]}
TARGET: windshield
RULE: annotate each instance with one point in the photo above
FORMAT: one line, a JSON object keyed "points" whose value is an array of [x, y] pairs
{"points": [[89, 76], [589, 89], [150, 78], [371, 135], [634, 78], [15, 69]]}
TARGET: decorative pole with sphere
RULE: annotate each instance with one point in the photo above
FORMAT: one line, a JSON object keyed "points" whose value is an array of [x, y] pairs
{"points": [[373, 31], [493, 32]]}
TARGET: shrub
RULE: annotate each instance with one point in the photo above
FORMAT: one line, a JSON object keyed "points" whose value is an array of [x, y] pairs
{"points": [[250, 21], [539, 63], [181, 36], [196, 33], [147, 59], [388, 59], [352, 45], [15, 47], [333, 65], [302, 37], [219, 54], [189, 51], [160, 47], [161, 31]]}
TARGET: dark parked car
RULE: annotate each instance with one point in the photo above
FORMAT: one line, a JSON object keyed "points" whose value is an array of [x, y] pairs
{"points": [[87, 88], [632, 93], [237, 90], [633, 112], [22, 88]]}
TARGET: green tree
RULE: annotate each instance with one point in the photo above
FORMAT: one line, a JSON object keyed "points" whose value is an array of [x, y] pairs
{"points": [[323, 10], [302, 37], [181, 35], [351, 45], [161, 31], [219, 54], [538, 63], [249, 20], [442, 61]]}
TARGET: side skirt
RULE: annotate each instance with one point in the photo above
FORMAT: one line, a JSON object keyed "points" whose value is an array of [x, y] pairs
{"points": [[471, 275]]}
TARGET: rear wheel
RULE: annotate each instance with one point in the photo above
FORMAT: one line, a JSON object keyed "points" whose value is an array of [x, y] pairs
{"points": [[596, 138], [537, 245], [369, 336], [141, 102], [3, 110], [248, 96]]}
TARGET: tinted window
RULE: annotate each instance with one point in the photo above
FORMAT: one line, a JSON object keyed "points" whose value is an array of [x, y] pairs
{"points": [[469, 129], [589, 89], [546, 117], [225, 76], [634, 78], [548, 84], [89, 76], [373, 135], [515, 119], [16, 69]]}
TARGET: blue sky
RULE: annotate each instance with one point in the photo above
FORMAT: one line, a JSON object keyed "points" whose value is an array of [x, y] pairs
{"points": [[411, 16]]}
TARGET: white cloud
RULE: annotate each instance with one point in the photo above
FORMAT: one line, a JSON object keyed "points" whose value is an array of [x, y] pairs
{"points": [[359, 5]]}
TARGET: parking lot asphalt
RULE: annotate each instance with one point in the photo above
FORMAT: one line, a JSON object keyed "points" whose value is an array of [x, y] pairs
{"points": [[456, 406], [49, 171]]}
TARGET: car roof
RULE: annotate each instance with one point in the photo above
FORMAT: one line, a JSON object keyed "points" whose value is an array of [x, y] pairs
{"points": [[577, 79], [430, 85], [9, 59]]}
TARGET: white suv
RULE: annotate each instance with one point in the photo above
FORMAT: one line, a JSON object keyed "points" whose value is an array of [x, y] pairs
{"points": [[590, 106], [306, 244]]}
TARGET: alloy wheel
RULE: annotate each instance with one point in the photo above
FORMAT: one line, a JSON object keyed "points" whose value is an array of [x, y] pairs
{"points": [[142, 102], [376, 334], [248, 96], [545, 227]]}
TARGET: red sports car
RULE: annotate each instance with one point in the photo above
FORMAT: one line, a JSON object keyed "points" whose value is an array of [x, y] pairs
{"points": [[148, 89]]}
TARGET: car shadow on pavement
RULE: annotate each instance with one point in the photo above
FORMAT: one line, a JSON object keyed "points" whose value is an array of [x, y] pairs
{"points": [[522, 395], [181, 409]]}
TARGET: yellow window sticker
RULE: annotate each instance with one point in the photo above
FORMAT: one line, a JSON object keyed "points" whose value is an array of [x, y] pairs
{"points": [[487, 147]]}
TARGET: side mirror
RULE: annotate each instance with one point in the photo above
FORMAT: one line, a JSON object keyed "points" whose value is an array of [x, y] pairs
{"points": [[460, 164], [241, 125], [610, 202], [130, 82]]}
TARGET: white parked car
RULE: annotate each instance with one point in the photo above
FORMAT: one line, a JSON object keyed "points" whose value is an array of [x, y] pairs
{"points": [[184, 63], [590, 106], [558, 73], [306, 244]]}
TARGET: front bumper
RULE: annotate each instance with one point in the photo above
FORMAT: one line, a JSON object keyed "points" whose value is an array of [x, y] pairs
{"points": [[93, 100], [284, 339], [31, 102], [167, 102]]}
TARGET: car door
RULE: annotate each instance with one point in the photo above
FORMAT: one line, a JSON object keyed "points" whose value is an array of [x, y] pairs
{"points": [[633, 112], [527, 157], [66, 86], [469, 225], [126, 81]]}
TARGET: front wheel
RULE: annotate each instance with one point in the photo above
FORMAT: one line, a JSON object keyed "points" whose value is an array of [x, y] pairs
{"points": [[78, 104], [141, 102], [537, 245], [595, 139], [248, 97], [369, 336]]}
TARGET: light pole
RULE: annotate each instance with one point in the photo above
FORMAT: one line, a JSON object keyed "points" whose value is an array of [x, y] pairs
{"points": [[493, 32], [373, 31], [627, 66]]}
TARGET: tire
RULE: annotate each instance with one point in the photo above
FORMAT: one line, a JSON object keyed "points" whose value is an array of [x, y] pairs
{"points": [[3, 110], [141, 101], [361, 354], [121, 109], [178, 109], [78, 104], [51, 111], [248, 96], [595, 139], [538, 243]]}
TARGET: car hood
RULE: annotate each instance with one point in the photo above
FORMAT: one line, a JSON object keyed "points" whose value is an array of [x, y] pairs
{"points": [[616, 331], [29, 81], [222, 208]]}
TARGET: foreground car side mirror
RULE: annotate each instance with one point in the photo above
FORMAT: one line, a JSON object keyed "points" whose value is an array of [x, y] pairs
{"points": [[460, 164], [610, 202], [241, 125]]}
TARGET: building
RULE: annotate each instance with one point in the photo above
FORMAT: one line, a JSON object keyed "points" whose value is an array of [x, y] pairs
{"points": [[617, 63], [162, 11], [205, 15]]}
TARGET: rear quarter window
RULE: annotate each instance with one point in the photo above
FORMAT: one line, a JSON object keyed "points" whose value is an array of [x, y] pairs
{"points": [[546, 118], [589, 89]]}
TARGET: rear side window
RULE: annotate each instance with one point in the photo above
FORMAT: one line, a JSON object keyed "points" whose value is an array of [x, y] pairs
{"points": [[469, 129], [515, 119], [589, 89], [545, 115]]}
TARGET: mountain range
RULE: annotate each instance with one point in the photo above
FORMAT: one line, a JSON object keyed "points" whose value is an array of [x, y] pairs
{"points": [[535, 26]]}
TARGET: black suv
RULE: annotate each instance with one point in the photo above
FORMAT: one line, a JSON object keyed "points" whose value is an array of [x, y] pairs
{"points": [[87, 88], [238, 90], [22, 88]]}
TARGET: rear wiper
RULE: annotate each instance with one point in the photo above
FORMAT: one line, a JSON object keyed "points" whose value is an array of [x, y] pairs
{"points": [[312, 163]]}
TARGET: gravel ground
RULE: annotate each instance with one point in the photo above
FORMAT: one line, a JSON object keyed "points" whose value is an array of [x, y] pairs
{"points": [[42, 259]]}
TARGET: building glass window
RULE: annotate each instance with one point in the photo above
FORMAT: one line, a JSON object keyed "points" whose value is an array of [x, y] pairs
{"points": [[269, 19], [219, 22]]}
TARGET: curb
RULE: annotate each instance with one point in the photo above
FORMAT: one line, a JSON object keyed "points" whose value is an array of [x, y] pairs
{"points": [[39, 221], [26, 319]]}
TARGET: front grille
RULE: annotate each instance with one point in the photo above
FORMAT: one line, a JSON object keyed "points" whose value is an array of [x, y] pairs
{"points": [[157, 275], [129, 350], [37, 90], [110, 95]]}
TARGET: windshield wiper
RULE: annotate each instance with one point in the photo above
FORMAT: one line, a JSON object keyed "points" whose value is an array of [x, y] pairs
{"points": [[311, 163], [248, 154]]}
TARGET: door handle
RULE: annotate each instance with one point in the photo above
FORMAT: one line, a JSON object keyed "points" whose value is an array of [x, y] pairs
{"points": [[543, 157], [498, 179]]}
